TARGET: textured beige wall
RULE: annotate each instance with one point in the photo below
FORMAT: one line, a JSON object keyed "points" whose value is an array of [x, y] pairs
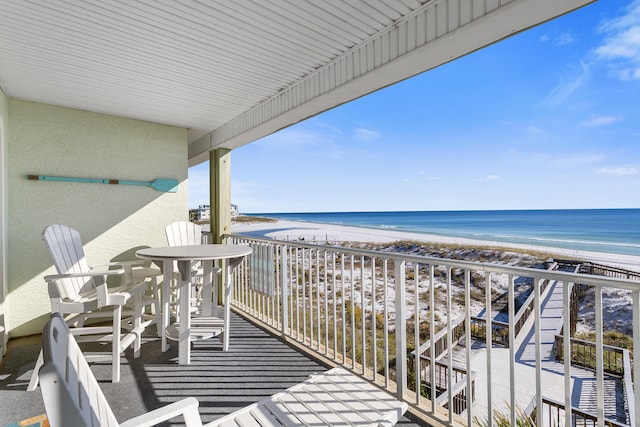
{"points": [[3, 206], [112, 219]]}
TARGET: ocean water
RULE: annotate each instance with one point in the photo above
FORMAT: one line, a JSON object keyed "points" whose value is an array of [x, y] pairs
{"points": [[600, 230]]}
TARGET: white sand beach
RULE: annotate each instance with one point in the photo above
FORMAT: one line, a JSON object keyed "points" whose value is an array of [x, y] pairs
{"points": [[310, 232]]}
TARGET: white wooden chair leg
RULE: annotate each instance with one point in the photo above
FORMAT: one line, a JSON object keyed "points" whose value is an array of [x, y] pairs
{"points": [[33, 382], [167, 269], [215, 285], [157, 306], [137, 324], [117, 336]]}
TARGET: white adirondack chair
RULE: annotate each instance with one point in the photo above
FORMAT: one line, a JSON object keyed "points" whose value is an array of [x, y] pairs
{"points": [[183, 233], [72, 396], [81, 292]]}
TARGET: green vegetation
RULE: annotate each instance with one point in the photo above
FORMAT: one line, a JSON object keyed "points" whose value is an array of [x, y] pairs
{"points": [[250, 219], [479, 253], [501, 419], [612, 338]]}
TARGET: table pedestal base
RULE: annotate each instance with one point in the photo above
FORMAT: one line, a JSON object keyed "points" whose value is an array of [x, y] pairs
{"points": [[201, 328]]}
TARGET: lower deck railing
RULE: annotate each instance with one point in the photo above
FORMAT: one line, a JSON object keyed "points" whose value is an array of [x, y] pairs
{"points": [[368, 311], [554, 414]]}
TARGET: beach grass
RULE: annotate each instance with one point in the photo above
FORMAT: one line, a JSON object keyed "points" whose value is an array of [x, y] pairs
{"points": [[246, 219]]}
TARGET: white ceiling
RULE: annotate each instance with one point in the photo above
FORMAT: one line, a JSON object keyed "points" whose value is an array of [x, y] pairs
{"points": [[217, 67]]}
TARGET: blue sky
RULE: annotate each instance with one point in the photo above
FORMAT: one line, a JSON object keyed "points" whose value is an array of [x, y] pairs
{"points": [[547, 119]]}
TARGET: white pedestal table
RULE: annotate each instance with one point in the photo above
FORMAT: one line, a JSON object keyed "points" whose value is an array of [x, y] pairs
{"points": [[184, 256]]}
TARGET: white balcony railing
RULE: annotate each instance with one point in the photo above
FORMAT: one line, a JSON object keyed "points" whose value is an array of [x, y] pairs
{"points": [[368, 311]]}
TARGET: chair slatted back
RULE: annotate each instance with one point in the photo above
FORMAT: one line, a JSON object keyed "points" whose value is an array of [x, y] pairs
{"points": [[183, 233], [65, 247], [70, 391]]}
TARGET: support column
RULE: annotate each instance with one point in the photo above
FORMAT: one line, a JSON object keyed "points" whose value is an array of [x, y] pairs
{"points": [[220, 193], [220, 204]]}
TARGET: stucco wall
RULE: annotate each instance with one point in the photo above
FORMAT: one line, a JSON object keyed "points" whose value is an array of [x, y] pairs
{"points": [[3, 276], [112, 219]]}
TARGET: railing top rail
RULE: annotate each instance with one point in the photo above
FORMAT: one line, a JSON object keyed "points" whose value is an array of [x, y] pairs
{"points": [[587, 343], [538, 274]]}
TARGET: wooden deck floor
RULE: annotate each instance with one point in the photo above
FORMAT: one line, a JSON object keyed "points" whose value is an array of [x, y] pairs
{"points": [[256, 366]]}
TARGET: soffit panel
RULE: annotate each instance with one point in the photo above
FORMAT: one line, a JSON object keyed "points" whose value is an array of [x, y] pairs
{"points": [[232, 71], [181, 62]]}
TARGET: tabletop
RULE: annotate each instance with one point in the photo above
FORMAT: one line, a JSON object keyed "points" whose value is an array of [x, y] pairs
{"points": [[195, 252]]}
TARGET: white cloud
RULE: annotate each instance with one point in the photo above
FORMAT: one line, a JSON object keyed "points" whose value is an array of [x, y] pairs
{"points": [[618, 171], [620, 48], [491, 177], [564, 39], [535, 130], [569, 84], [366, 135], [425, 177], [558, 39], [576, 159], [596, 121]]}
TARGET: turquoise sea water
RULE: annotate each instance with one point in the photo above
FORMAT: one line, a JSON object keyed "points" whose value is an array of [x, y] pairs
{"points": [[600, 230]]}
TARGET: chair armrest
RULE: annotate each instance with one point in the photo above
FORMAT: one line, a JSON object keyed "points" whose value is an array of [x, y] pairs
{"points": [[53, 277], [124, 264], [103, 295], [186, 407]]}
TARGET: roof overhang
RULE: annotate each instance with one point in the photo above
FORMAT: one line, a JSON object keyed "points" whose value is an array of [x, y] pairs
{"points": [[233, 72]]}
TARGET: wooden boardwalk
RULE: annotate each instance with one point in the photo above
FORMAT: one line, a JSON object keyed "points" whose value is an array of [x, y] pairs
{"points": [[583, 381], [257, 365]]}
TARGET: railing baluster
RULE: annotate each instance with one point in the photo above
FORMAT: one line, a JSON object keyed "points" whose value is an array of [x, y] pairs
{"points": [[635, 421], [257, 296], [599, 358], [401, 329], [335, 306], [538, 351], [363, 311], [374, 326], [416, 334], [386, 322], [299, 283], [432, 334], [315, 283], [326, 304], [449, 347], [512, 351], [318, 311], [309, 275], [566, 310], [291, 288], [283, 286], [344, 314], [277, 303], [467, 343], [489, 343], [353, 311]]}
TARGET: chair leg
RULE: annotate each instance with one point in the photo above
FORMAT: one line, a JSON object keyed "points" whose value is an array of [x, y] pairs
{"points": [[137, 324], [157, 309], [33, 382], [117, 337]]}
